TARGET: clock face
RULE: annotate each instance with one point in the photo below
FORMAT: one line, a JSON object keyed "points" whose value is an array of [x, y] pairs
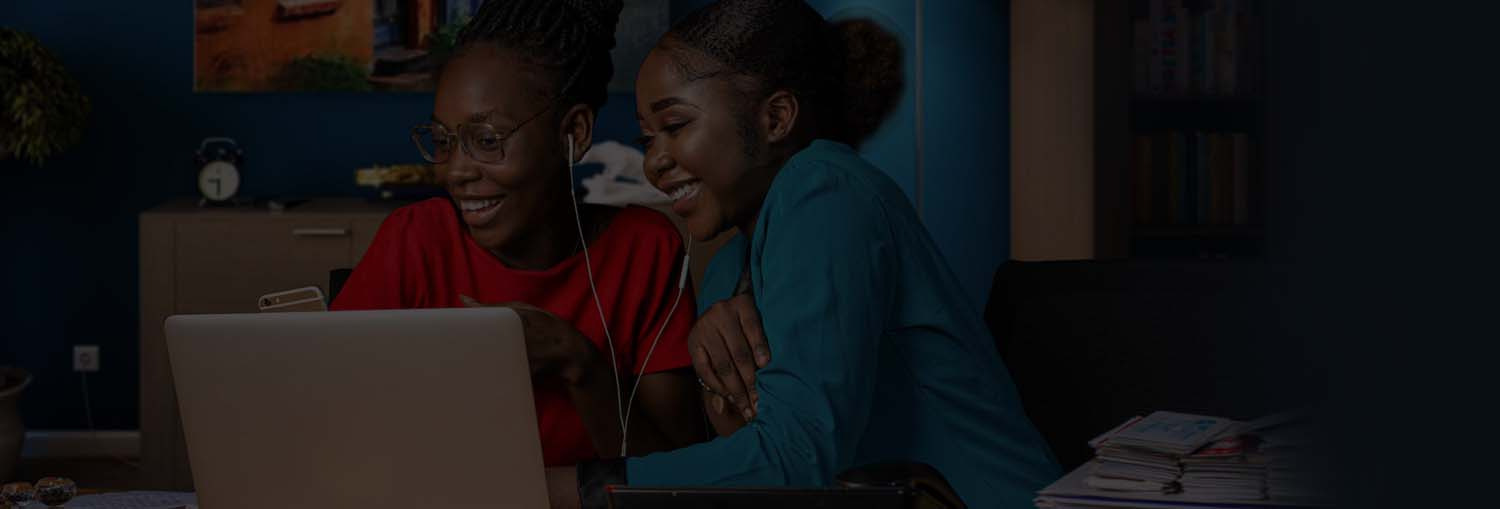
{"points": [[218, 181]]}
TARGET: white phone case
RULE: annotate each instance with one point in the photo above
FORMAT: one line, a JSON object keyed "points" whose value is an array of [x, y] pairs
{"points": [[308, 298]]}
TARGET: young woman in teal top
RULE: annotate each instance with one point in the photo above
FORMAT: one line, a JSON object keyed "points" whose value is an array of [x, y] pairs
{"points": [[749, 111]]}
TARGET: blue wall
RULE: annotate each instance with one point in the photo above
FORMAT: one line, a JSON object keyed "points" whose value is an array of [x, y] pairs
{"points": [[966, 128], [69, 259]]}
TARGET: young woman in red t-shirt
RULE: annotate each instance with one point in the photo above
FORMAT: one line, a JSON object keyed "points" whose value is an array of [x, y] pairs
{"points": [[514, 105]]}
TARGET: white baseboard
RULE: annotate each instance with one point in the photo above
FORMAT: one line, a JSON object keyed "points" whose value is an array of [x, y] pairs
{"points": [[81, 444]]}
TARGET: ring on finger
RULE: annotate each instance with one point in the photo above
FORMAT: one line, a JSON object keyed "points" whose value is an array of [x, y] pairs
{"points": [[705, 387]]}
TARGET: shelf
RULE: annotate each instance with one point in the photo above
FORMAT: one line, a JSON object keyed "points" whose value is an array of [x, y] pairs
{"points": [[1147, 99], [1202, 241], [1190, 231], [1192, 112]]}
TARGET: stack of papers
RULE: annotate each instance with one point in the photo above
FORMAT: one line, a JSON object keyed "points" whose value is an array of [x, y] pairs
{"points": [[1228, 469], [1156, 471], [1144, 454], [1176, 460], [1167, 432], [1073, 492]]}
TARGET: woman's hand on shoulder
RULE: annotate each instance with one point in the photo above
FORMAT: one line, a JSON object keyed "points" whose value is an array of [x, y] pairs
{"points": [[553, 345], [727, 345], [724, 417]]}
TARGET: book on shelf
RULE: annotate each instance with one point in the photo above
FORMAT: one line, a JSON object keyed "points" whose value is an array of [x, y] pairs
{"points": [[1183, 18], [1192, 48], [1225, 47], [1140, 53], [1166, 46], [1174, 160], [1143, 180], [1199, 51], [1191, 178], [1221, 155], [1205, 178], [1161, 180], [1240, 168]]}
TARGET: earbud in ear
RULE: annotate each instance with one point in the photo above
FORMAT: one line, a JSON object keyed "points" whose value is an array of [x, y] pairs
{"points": [[571, 160]]}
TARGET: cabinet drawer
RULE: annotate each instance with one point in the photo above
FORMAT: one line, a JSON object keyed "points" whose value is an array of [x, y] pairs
{"points": [[223, 265], [365, 229]]}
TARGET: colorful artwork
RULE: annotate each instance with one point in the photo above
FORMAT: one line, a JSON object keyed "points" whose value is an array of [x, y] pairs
{"points": [[359, 45]]}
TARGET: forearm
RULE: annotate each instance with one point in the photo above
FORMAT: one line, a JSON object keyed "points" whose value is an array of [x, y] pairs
{"points": [[772, 451]]}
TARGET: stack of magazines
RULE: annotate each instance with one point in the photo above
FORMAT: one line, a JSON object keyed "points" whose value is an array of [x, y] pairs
{"points": [[1127, 469], [1228, 469], [1145, 453], [1170, 459]]}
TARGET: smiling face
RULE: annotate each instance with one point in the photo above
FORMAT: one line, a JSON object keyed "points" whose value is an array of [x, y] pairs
{"points": [[703, 146], [502, 203]]}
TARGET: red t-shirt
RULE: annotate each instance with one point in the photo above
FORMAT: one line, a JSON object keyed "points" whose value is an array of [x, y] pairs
{"points": [[423, 257]]}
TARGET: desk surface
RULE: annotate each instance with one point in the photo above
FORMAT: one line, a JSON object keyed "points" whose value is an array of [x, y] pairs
{"points": [[311, 207]]}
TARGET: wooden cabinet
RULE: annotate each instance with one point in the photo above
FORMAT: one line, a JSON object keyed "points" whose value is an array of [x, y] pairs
{"points": [[219, 260]]}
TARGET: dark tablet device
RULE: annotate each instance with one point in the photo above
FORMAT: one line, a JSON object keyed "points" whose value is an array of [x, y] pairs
{"points": [[623, 497]]}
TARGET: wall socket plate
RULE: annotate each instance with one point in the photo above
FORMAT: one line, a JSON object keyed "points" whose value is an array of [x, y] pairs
{"points": [[86, 358]]}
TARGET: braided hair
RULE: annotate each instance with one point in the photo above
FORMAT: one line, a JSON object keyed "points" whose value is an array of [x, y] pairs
{"points": [[847, 75], [571, 38]]}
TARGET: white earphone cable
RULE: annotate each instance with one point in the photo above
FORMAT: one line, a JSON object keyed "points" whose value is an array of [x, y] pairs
{"points": [[609, 341], [681, 285], [621, 407]]}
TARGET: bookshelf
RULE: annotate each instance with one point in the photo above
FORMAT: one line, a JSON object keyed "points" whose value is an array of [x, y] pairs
{"points": [[1180, 129]]}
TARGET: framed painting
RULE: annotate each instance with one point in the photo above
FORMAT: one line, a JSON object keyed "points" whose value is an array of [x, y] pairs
{"points": [[361, 45]]}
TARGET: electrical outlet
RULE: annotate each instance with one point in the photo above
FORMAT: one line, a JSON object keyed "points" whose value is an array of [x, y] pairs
{"points": [[86, 358]]}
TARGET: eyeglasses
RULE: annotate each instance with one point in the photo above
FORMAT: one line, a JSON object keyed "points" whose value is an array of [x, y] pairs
{"points": [[480, 141]]}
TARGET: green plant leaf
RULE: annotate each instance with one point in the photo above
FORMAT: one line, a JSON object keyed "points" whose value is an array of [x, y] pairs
{"points": [[46, 110]]}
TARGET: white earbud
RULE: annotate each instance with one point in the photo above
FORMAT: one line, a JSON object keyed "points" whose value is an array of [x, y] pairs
{"points": [[621, 406]]}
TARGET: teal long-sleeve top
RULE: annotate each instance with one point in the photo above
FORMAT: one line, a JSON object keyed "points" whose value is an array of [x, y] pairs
{"points": [[875, 353]]}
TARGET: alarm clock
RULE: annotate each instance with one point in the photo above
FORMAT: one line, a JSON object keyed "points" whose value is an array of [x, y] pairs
{"points": [[219, 161]]}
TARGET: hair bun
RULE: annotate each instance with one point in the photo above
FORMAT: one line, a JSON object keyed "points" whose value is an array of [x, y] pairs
{"points": [[873, 76], [600, 16]]}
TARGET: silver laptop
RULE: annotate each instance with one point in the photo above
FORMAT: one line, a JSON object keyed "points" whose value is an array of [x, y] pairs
{"points": [[369, 409]]}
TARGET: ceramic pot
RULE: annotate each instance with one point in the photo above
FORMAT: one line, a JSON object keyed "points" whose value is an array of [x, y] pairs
{"points": [[12, 382]]}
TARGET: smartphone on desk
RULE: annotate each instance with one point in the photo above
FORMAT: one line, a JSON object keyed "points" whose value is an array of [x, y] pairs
{"points": [[302, 299]]}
